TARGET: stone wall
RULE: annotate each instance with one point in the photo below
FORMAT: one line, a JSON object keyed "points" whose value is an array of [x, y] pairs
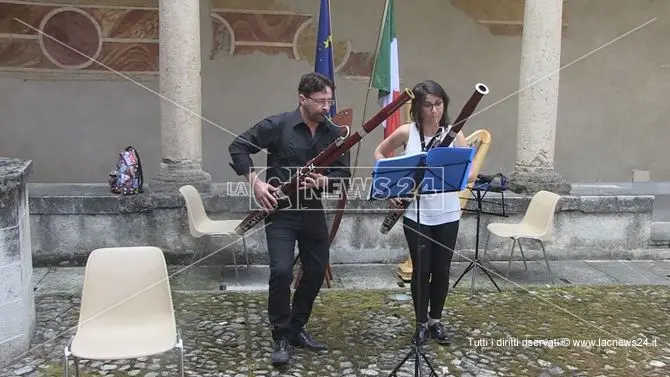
{"points": [[17, 305], [72, 220]]}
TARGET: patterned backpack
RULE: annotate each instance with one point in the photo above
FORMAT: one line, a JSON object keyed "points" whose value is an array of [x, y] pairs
{"points": [[127, 178]]}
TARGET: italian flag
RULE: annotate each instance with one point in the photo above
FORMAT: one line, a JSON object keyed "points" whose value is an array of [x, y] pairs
{"points": [[385, 77]]}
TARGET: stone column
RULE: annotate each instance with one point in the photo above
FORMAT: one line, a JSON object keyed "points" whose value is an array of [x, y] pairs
{"points": [[17, 303], [180, 84], [538, 99]]}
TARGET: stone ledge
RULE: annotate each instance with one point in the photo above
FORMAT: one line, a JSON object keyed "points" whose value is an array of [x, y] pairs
{"points": [[72, 220], [660, 231], [13, 173], [83, 199]]}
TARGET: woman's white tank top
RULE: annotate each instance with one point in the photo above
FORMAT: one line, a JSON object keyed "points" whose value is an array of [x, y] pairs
{"points": [[435, 209]]}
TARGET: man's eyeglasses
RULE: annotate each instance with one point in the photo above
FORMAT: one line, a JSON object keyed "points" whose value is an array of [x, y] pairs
{"points": [[329, 102]]}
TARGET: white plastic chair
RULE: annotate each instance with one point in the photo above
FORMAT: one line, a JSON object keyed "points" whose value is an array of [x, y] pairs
{"points": [[200, 225], [126, 308], [537, 224]]}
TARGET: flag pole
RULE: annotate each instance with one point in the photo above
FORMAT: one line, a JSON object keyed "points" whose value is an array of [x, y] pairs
{"points": [[332, 47], [374, 66]]}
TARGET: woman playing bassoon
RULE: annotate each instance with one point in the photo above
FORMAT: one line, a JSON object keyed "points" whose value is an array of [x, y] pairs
{"points": [[440, 213]]}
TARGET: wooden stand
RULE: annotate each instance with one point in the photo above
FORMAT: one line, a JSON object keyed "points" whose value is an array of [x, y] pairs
{"points": [[404, 271]]}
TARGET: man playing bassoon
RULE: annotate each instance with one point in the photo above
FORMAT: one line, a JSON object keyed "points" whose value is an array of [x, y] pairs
{"points": [[291, 140]]}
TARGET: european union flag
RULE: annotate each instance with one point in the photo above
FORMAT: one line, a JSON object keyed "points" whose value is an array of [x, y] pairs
{"points": [[324, 47]]}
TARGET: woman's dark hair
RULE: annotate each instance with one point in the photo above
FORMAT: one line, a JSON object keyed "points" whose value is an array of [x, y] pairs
{"points": [[421, 91], [314, 82]]}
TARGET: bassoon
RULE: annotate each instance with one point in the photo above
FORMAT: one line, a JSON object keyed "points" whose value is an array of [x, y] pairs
{"points": [[480, 90], [322, 160]]}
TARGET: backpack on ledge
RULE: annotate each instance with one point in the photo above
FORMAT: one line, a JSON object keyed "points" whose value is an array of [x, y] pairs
{"points": [[127, 177]]}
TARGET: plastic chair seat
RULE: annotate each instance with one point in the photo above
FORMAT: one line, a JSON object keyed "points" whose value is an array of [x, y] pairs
{"points": [[520, 230], [219, 227], [113, 342]]}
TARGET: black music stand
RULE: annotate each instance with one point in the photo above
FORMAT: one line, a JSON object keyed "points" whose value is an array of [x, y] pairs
{"points": [[479, 191], [439, 170]]}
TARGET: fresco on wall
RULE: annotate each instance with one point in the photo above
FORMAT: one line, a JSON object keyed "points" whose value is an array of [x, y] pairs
{"points": [[124, 38], [501, 17], [241, 32]]}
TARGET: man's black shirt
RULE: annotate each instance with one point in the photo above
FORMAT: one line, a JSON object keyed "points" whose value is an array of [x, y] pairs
{"points": [[290, 145]]}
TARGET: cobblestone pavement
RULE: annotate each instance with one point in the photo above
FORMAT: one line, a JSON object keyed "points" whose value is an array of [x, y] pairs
{"points": [[368, 332]]}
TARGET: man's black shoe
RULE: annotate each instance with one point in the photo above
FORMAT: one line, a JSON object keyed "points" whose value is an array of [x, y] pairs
{"points": [[438, 333], [280, 352], [302, 339]]}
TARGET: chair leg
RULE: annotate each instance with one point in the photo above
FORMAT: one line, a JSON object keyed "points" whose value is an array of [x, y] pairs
{"points": [[522, 256], [66, 359], [237, 274], [222, 270], [246, 256], [551, 275], [509, 264], [180, 351], [486, 246], [196, 250], [75, 361]]}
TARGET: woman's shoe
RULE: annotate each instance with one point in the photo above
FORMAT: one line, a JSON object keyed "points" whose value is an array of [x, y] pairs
{"points": [[438, 333], [421, 335]]}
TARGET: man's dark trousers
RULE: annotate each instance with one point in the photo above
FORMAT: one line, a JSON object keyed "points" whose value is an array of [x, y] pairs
{"points": [[306, 225]]}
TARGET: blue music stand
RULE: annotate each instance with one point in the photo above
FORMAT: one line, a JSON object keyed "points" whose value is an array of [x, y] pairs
{"points": [[441, 169]]}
